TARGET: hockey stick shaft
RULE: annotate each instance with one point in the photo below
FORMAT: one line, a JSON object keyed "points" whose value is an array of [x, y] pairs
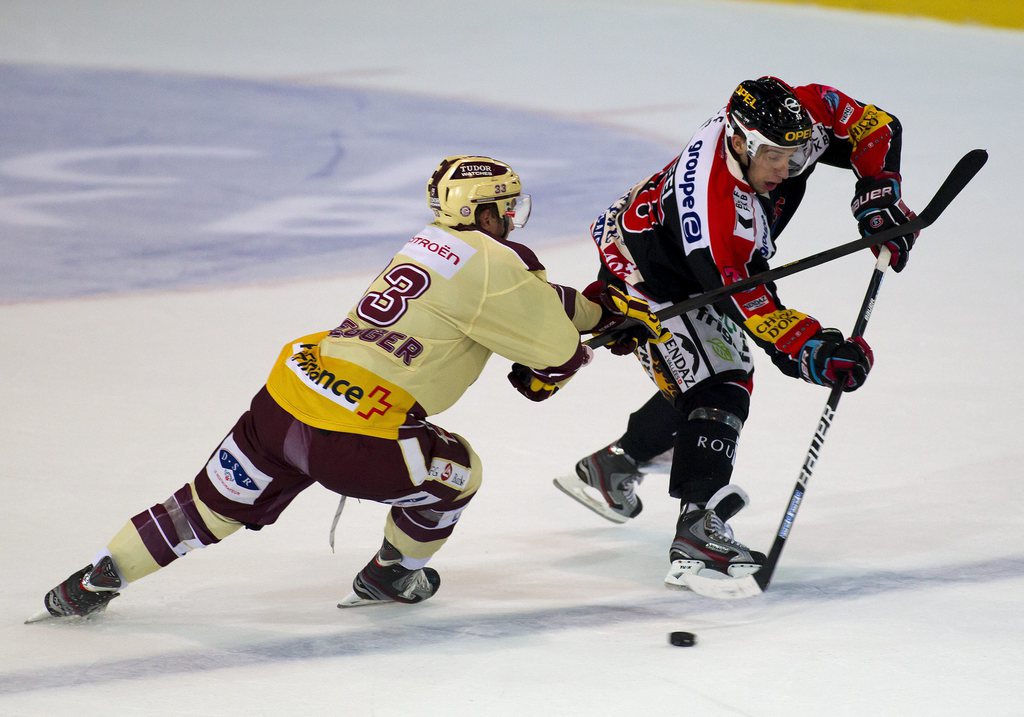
{"points": [[968, 166], [764, 575]]}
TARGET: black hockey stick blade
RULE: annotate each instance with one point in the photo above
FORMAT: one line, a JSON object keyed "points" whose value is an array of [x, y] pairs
{"points": [[959, 177], [968, 166]]}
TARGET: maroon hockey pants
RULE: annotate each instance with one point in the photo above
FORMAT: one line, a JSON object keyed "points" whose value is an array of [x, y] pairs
{"points": [[269, 457]]}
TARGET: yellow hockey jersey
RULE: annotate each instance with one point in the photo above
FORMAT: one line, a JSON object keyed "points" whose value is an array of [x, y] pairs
{"points": [[422, 332]]}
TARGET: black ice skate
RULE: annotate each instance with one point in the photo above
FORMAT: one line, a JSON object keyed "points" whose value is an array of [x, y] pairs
{"points": [[606, 483], [704, 544], [85, 593], [384, 580]]}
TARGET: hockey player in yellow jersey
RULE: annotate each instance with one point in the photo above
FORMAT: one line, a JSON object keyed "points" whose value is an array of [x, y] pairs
{"points": [[347, 408]]}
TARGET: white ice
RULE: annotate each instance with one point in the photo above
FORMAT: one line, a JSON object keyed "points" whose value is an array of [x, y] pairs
{"points": [[900, 592]]}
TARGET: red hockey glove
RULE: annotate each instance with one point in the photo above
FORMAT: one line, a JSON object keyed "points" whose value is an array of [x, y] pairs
{"points": [[628, 319], [877, 206], [828, 360]]}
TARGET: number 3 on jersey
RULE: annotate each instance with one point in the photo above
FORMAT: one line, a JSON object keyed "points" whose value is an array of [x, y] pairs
{"points": [[405, 283]]}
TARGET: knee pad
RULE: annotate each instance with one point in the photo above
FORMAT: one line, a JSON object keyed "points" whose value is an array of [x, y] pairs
{"points": [[476, 475], [733, 397], [418, 532]]}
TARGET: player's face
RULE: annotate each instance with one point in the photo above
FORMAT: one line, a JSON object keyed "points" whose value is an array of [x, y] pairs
{"points": [[489, 222], [769, 168]]}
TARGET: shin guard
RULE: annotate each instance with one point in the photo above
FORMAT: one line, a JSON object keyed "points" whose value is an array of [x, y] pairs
{"points": [[166, 531], [705, 453]]}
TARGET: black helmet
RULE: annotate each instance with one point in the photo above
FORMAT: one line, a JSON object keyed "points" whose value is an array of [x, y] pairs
{"points": [[766, 112]]}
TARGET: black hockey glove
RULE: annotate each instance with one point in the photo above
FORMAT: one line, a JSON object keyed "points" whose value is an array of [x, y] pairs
{"points": [[877, 206], [628, 319], [828, 360]]}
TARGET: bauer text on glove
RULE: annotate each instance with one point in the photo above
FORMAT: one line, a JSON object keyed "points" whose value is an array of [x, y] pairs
{"points": [[878, 206]]}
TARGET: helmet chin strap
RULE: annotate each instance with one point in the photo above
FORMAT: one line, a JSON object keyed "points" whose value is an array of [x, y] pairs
{"points": [[736, 156], [506, 224]]}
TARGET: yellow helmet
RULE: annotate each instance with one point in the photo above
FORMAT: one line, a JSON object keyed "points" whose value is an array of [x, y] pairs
{"points": [[462, 183]]}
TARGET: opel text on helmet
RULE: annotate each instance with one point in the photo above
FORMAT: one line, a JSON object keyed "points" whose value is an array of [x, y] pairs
{"points": [[462, 183], [765, 112]]}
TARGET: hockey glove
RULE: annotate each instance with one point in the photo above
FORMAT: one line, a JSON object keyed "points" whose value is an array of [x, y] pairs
{"points": [[530, 383], [828, 360], [877, 206], [628, 319]]}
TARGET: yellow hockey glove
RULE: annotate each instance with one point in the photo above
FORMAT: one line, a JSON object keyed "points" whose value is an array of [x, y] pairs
{"points": [[628, 319]]}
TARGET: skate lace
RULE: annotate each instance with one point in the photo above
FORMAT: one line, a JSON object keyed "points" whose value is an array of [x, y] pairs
{"points": [[334, 523], [629, 485], [721, 531]]}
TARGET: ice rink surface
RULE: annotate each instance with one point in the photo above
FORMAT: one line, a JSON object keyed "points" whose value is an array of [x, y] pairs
{"points": [[186, 187]]}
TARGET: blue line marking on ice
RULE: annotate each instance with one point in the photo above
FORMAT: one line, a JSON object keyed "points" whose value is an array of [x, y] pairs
{"points": [[412, 633], [114, 181]]}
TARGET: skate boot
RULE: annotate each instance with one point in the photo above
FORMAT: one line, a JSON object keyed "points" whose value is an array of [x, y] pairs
{"points": [[704, 541], [384, 580], [606, 483], [86, 592]]}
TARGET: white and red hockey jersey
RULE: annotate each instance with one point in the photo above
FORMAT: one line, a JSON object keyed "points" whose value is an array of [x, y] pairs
{"points": [[697, 224]]}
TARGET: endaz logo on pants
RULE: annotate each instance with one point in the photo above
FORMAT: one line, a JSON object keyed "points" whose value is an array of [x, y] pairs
{"points": [[234, 475]]}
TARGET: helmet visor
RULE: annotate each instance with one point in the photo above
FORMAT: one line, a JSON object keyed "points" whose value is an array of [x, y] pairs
{"points": [[798, 160], [519, 210]]}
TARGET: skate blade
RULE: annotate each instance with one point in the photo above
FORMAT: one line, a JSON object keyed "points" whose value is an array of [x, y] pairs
{"points": [[693, 576], [40, 616], [45, 616], [678, 571], [353, 600], [722, 587], [576, 489]]}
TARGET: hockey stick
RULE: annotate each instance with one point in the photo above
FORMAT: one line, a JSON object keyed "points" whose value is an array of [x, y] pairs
{"points": [[726, 588], [968, 166]]}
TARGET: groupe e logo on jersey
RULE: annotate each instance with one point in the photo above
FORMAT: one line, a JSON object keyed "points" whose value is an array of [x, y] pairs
{"points": [[690, 221]]}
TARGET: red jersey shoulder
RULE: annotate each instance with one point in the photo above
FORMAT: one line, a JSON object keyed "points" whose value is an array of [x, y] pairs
{"points": [[827, 105], [870, 130]]}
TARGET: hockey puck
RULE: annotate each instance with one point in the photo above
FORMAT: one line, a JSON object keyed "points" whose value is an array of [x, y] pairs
{"points": [[682, 639]]}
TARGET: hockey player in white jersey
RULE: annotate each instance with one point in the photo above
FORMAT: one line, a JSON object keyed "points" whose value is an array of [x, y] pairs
{"points": [[347, 408]]}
